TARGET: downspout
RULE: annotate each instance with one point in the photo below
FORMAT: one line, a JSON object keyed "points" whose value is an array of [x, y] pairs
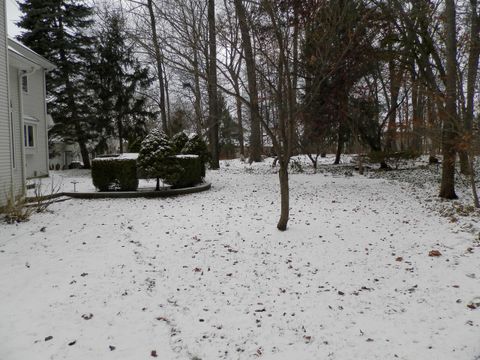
{"points": [[20, 74], [45, 115]]}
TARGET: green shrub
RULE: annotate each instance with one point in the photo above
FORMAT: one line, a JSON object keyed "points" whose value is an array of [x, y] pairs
{"points": [[179, 140], [190, 173], [114, 174], [196, 146]]}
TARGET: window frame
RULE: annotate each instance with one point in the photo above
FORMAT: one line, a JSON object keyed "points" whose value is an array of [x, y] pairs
{"points": [[29, 142], [25, 84]]}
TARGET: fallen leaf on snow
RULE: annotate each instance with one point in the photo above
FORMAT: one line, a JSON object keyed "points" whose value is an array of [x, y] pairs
{"points": [[434, 253], [87, 316]]}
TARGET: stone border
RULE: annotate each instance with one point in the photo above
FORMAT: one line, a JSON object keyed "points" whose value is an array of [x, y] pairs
{"points": [[138, 194]]}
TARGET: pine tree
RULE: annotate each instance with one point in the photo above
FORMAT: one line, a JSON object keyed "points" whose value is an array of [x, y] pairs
{"points": [[118, 81], [58, 30]]}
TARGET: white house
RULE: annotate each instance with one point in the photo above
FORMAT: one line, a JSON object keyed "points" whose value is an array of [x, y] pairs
{"points": [[24, 121]]}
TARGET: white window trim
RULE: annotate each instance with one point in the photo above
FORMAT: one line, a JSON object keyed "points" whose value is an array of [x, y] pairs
{"points": [[28, 84], [26, 125]]}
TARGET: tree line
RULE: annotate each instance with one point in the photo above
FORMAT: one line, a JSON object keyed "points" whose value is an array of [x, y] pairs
{"points": [[379, 77]]}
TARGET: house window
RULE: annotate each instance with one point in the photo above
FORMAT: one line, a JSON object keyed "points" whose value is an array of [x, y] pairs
{"points": [[29, 136], [25, 84]]}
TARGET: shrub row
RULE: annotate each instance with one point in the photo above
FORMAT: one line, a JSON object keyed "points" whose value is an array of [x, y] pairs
{"points": [[191, 173], [115, 174], [121, 174]]}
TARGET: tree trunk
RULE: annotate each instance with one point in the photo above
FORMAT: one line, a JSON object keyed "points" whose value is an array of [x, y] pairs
{"points": [[284, 196], [120, 134], [472, 73], [213, 119], [395, 80], [449, 136], [198, 94], [85, 155], [417, 113], [255, 133], [159, 61], [240, 124], [340, 140]]}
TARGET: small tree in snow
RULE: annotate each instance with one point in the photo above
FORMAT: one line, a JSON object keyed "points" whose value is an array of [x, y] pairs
{"points": [[156, 158]]}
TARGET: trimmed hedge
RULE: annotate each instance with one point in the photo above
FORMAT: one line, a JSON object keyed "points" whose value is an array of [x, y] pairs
{"points": [[115, 174], [196, 146], [191, 173]]}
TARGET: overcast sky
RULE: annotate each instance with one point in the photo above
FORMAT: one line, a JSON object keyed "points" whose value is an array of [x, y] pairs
{"points": [[13, 15]]}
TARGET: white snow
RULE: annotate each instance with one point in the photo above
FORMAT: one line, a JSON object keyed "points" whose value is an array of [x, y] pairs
{"points": [[208, 276], [186, 156]]}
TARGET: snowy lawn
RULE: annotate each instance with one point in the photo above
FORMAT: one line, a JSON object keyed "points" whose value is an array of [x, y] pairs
{"points": [[208, 276]]}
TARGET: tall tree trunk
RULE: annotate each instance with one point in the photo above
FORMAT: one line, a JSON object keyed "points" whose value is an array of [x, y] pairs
{"points": [[418, 118], [240, 120], [472, 73], [198, 94], [255, 133], [338, 153], [414, 142], [212, 87], [85, 154], [395, 80], [449, 135], [159, 64], [120, 134]]}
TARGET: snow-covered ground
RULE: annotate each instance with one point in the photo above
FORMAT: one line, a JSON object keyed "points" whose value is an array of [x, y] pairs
{"points": [[208, 276]]}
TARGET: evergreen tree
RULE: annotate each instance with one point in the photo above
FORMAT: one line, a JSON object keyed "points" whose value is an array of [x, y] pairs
{"points": [[58, 30], [118, 80], [156, 158]]}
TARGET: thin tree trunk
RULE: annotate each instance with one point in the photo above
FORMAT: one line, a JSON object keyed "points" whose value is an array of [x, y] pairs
{"points": [[476, 203], [212, 88], [284, 196], [197, 93], [338, 153], [392, 118], [240, 122], [85, 155], [120, 134]]}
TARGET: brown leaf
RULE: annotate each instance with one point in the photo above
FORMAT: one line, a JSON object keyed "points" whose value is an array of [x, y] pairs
{"points": [[87, 316], [434, 253], [399, 259]]}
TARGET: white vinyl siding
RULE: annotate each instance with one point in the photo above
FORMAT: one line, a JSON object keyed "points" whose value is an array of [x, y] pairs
{"points": [[5, 130], [34, 115]]}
